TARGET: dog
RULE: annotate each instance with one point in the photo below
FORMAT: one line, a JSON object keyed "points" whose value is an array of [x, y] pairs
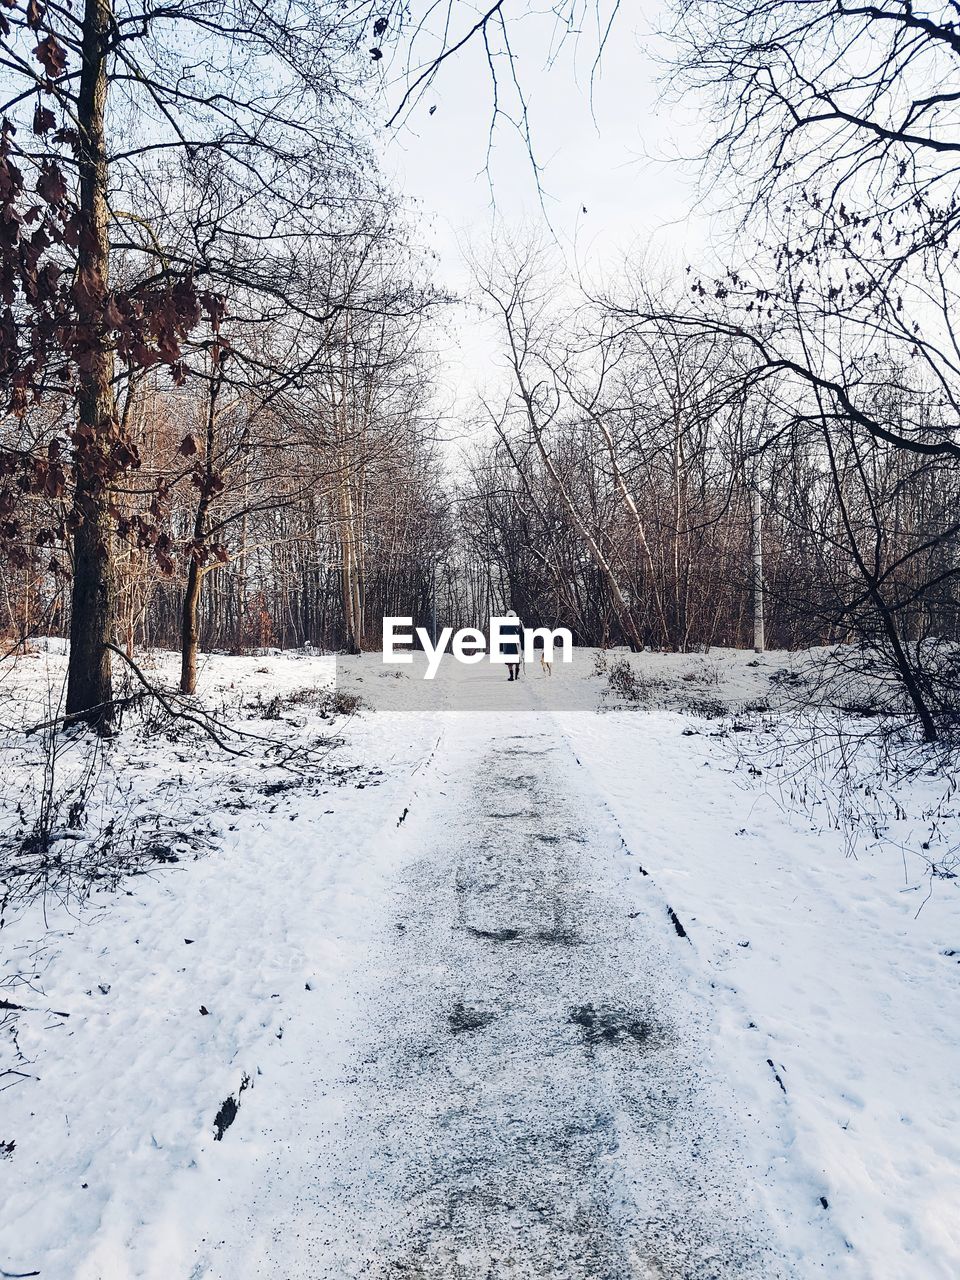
{"points": [[545, 666]]}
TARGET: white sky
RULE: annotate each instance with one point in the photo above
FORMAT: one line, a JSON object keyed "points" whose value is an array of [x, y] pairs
{"points": [[620, 166]]}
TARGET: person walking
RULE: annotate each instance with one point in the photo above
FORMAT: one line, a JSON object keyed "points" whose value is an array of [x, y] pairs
{"points": [[511, 644]]}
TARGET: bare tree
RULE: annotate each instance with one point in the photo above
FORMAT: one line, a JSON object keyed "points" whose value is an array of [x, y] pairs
{"points": [[182, 177]]}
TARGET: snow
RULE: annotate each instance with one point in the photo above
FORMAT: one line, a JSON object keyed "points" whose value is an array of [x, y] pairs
{"points": [[850, 992], [367, 1123]]}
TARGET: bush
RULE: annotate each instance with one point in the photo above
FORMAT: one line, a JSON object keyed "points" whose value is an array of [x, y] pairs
{"points": [[328, 704], [623, 681]]}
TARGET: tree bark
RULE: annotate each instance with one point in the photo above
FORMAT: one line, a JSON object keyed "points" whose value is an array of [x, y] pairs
{"points": [[189, 614], [757, 540], [190, 630], [349, 584], [94, 596]]}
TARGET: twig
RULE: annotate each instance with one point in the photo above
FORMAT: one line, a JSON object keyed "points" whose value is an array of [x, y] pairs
{"points": [[205, 723]]}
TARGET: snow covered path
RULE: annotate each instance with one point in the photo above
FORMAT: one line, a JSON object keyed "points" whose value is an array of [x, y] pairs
{"points": [[463, 1034], [534, 1087], [541, 1090]]}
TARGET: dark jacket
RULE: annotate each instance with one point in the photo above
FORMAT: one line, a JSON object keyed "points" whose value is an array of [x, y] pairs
{"points": [[511, 639]]}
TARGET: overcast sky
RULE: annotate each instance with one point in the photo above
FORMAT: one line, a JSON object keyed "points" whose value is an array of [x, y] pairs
{"points": [[618, 164]]}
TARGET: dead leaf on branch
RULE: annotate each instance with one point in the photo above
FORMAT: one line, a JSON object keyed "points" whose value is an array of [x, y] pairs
{"points": [[52, 56], [43, 119], [51, 185]]}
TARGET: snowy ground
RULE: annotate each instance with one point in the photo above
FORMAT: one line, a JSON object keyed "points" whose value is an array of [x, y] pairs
{"points": [[501, 985]]}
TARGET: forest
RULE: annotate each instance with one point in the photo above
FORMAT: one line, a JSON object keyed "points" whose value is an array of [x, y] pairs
{"points": [[637, 320], [221, 432]]}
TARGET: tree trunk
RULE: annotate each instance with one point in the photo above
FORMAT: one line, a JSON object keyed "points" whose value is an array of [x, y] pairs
{"points": [[757, 540], [93, 616], [350, 569], [189, 614], [190, 630]]}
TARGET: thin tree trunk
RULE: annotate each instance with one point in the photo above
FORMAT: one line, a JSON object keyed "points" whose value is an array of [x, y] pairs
{"points": [[190, 630], [757, 540], [190, 613]]}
